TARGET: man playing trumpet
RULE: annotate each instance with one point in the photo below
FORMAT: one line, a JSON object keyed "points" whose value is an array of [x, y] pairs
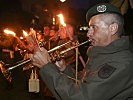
{"points": [[108, 73]]}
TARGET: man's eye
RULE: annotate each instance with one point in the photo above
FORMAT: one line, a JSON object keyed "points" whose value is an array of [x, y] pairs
{"points": [[91, 27], [94, 27]]}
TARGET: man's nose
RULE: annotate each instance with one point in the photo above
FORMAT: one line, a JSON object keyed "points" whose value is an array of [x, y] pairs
{"points": [[90, 32]]}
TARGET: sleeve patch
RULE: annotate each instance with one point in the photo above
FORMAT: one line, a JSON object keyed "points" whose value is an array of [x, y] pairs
{"points": [[106, 71]]}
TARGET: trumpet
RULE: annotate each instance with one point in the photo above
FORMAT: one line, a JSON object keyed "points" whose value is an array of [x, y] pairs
{"points": [[43, 43], [53, 58]]}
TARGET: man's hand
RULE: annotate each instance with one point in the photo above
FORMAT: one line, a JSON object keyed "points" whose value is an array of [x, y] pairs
{"points": [[40, 57]]}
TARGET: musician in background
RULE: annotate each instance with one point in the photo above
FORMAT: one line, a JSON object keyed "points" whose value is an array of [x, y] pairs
{"points": [[69, 57], [46, 32], [31, 43], [54, 36], [16, 87], [9, 46], [40, 36]]}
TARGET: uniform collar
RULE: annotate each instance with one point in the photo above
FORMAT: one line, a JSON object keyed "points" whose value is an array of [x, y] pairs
{"points": [[116, 46]]}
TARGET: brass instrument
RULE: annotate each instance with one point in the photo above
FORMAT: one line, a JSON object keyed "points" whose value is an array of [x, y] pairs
{"points": [[43, 43], [6, 72], [56, 57], [58, 47]]}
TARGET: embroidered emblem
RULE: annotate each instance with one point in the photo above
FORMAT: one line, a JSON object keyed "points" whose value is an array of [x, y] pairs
{"points": [[101, 8], [106, 71]]}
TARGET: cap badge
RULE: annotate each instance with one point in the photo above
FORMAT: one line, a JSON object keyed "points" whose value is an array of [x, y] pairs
{"points": [[101, 8]]}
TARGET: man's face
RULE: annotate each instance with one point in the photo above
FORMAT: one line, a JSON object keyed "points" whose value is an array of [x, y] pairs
{"points": [[52, 32], [98, 32], [46, 31]]}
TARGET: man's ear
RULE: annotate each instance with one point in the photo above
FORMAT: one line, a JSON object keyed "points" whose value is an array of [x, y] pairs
{"points": [[113, 28]]}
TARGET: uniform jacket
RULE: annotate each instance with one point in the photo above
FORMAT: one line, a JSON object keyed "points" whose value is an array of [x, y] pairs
{"points": [[109, 75]]}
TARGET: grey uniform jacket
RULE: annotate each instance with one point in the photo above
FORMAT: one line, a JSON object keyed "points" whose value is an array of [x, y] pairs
{"points": [[109, 75]]}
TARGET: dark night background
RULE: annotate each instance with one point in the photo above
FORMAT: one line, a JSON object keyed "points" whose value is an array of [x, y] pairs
{"points": [[18, 14]]}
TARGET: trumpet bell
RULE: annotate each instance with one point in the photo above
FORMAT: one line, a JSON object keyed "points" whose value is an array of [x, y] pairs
{"points": [[5, 72]]}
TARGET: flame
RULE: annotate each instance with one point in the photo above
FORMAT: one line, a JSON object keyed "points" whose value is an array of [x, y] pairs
{"points": [[21, 38], [9, 32], [25, 33], [62, 0], [53, 21], [61, 19]]}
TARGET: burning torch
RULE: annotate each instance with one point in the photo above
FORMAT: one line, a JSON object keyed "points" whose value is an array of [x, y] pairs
{"points": [[68, 33], [14, 34]]}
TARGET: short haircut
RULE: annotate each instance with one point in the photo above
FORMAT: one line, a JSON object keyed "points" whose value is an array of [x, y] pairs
{"points": [[115, 18]]}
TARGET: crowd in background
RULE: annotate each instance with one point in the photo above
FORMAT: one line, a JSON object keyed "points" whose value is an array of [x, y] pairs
{"points": [[12, 51]]}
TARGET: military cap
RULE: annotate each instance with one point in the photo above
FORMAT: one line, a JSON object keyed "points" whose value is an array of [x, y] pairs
{"points": [[101, 8]]}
